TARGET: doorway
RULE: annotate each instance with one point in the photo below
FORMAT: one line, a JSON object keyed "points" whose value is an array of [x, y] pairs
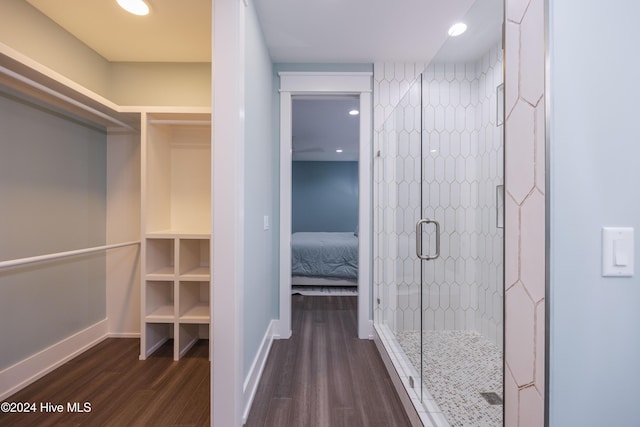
{"points": [[324, 195], [303, 85]]}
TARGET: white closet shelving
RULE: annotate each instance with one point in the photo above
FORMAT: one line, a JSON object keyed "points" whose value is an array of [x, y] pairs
{"points": [[158, 196], [176, 218]]}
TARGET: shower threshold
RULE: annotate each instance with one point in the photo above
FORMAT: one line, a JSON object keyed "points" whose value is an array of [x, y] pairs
{"points": [[424, 408]]}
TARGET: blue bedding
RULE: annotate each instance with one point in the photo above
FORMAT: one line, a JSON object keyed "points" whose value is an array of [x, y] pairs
{"points": [[324, 254]]}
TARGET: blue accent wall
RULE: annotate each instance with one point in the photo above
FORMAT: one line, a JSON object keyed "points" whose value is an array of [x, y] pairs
{"points": [[324, 196]]}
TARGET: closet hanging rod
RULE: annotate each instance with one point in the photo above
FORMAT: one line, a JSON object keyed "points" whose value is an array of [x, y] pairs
{"points": [[62, 97], [47, 257], [180, 122]]}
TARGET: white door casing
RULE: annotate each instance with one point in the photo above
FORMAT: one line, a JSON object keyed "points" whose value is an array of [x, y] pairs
{"points": [[316, 83]]}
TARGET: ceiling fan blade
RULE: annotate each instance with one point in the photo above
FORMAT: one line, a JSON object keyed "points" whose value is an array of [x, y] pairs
{"points": [[308, 150]]}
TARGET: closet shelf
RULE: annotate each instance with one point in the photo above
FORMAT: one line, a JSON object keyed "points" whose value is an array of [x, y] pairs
{"points": [[176, 224], [199, 313], [163, 314], [164, 273], [182, 234], [197, 274]]}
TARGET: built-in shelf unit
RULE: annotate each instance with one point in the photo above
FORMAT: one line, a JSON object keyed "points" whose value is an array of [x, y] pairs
{"points": [[176, 218]]}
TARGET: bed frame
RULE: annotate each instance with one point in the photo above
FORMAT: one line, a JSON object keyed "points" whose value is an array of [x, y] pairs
{"points": [[321, 281]]}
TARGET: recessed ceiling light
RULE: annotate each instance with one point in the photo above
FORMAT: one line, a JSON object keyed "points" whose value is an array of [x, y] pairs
{"points": [[354, 112], [339, 150], [457, 29], [137, 7]]}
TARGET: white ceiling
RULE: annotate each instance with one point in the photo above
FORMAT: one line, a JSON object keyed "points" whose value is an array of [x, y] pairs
{"points": [[484, 20], [174, 31], [324, 31], [321, 125], [357, 30], [301, 31]]}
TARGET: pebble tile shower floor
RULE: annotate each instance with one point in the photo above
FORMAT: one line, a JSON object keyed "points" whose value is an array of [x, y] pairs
{"points": [[458, 366]]}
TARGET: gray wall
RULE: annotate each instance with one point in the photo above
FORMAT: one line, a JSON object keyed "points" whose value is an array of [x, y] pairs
{"points": [[324, 196], [52, 199], [261, 287], [594, 177], [261, 186]]}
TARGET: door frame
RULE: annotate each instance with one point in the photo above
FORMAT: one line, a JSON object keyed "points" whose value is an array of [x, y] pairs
{"points": [[325, 83]]}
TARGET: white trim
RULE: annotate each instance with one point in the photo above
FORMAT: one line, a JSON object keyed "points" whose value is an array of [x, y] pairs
{"points": [[159, 109], [29, 370], [320, 83], [365, 213], [38, 86], [227, 201], [371, 330], [49, 73], [310, 82], [35, 71], [255, 372], [123, 335], [179, 122], [284, 324], [408, 406]]}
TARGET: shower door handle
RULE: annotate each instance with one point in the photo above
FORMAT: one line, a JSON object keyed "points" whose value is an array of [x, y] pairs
{"points": [[419, 239]]}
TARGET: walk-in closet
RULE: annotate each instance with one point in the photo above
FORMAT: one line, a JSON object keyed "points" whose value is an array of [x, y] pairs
{"points": [[105, 231]]}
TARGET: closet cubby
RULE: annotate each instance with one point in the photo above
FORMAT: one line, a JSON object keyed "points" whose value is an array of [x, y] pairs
{"points": [[194, 259], [159, 302], [176, 223], [188, 335], [156, 334], [194, 302], [160, 258]]}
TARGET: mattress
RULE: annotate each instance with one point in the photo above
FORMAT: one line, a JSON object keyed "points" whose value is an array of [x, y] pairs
{"points": [[324, 254]]}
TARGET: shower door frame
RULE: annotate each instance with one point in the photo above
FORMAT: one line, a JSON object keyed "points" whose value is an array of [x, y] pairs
{"points": [[407, 379], [385, 338]]}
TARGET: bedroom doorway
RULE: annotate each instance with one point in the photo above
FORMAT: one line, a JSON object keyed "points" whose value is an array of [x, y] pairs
{"points": [[325, 188], [324, 194]]}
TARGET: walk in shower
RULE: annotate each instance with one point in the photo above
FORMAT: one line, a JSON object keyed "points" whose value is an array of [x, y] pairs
{"points": [[438, 277]]}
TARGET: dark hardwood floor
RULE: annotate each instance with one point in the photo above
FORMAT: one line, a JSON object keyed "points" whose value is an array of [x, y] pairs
{"points": [[324, 375], [122, 390]]}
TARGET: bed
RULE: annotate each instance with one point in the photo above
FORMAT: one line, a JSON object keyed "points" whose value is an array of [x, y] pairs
{"points": [[324, 258]]}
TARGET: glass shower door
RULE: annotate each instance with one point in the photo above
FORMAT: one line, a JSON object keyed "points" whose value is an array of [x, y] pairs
{"points": [[461, 282], [439, 249], [440, 242], [398, 192]]}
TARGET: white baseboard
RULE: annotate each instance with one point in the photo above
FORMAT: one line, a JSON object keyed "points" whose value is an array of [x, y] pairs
{"points": [[279, 331], [365, 331], [124, 335], [255, 372], [27, 371]]}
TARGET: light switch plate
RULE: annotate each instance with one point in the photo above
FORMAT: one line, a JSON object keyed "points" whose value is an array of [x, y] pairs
{"points": [[266, 225], [617, 251]]}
